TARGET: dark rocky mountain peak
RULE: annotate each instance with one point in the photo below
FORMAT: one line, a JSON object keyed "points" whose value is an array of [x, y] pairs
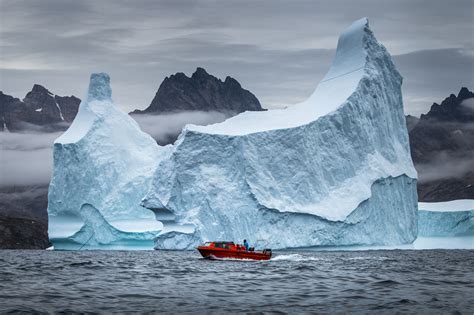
{"points": [[39, 89], [442, 147], [464, 93], [411, 122], [200, 73], [451, 108], [40, 108], [201, 92]]}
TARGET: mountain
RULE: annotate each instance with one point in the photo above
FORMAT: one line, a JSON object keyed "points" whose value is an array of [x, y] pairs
{"points": [[200, 99], [40, 110], [452, 108], [23, 217], [201, 92], [442, 148], [411, 122]]}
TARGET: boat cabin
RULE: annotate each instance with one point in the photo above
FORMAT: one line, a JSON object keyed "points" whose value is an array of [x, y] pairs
{"points": [[222, 249]]}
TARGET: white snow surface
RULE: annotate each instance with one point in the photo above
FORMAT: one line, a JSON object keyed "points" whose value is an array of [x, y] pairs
{"points": [[59, 109], [448, 206], [336, 87]]}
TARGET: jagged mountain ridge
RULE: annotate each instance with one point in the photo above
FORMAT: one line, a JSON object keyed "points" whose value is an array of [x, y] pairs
{"points": [[40, 107], [451, 108], [177, 93], [442, 147], [202, 92]]}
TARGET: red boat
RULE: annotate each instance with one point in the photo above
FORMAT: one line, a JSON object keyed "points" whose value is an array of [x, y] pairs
{"points": [[218, 250]]}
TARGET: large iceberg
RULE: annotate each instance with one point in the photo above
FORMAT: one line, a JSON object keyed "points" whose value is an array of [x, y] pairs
{"points": [[448, 218], [333, 170], [102, 169]]}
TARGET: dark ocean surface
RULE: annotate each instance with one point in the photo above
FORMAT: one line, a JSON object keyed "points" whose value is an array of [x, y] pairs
{"points": [[375, 282]]}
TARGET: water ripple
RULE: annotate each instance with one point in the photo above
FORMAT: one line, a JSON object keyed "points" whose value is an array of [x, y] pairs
{"points": [[374, 282]]}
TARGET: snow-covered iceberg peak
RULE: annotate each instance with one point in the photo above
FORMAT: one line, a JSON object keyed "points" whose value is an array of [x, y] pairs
{"points": [[356, 50], [96, 106], [106, 162], [99, 87], [332, 170], [350, 54]]}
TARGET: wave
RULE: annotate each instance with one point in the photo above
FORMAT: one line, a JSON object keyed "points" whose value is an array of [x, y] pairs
{"points": [[295, 257]]}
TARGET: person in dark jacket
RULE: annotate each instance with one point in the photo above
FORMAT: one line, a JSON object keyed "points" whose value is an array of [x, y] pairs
{"points": [[246, 245]]}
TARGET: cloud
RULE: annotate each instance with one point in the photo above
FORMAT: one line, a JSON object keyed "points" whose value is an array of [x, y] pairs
{"points": [[26, 158], [165, 128], [468, 104], [445, 165], [432, 75], [451, 152]]}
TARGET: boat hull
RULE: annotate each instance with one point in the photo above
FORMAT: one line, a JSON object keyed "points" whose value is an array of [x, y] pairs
{"points": [[221, 253]]}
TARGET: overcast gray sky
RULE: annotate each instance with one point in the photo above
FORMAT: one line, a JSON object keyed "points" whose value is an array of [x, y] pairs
{"points": [[279, 50]]}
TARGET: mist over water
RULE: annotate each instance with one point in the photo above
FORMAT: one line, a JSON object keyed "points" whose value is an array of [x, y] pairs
{"points": [[429, 281]]}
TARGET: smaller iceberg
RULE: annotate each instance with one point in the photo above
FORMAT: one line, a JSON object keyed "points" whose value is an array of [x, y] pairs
{"points": [[103, 166], [449, 218]]}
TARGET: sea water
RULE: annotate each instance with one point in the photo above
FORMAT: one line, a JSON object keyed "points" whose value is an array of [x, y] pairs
{"points": [[376, 281]]}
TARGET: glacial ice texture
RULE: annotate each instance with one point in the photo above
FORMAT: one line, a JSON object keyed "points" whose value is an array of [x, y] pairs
{"points": [[333, 170], [450, 218], [102, 169]]}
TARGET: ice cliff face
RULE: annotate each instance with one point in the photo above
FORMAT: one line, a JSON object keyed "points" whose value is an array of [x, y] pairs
{"points": [[449, 218], [333, 170], [102, 168]]}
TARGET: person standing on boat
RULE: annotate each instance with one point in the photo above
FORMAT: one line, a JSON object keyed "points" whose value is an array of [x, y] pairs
{"points": [[246, 245]]}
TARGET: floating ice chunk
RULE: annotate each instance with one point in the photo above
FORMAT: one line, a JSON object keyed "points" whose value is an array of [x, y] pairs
{"points": [[448, 218]]}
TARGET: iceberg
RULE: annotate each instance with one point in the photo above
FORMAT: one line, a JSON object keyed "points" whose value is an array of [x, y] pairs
{"points": [[102, 169], [448, 218], [333, 170]]}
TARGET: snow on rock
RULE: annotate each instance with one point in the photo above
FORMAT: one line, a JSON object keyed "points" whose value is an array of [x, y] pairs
{"points": [[333, 170], [449, 218], [102, 169]]}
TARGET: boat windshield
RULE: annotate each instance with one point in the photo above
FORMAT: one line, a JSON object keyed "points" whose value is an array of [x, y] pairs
{"points": [[207, 243]]}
